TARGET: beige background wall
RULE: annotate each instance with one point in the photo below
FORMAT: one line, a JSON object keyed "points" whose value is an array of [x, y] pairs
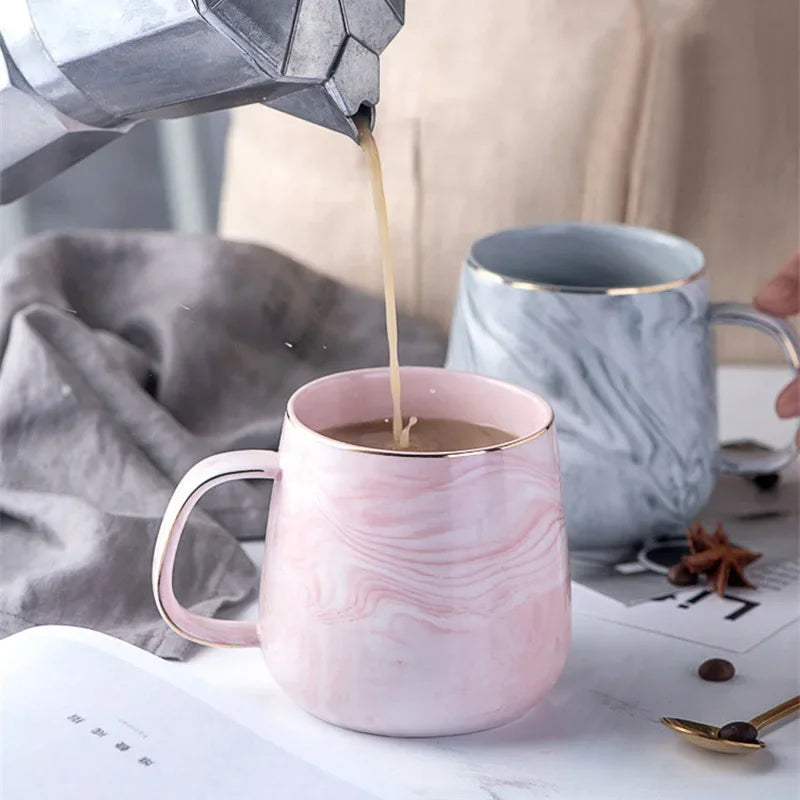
{"points": [[676, 114]]}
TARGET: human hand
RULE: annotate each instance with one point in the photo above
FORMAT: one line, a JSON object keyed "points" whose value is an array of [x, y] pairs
{"points": [[781, 296]]}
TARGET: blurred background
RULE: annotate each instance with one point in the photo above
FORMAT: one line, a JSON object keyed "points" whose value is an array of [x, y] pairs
{"points": [[161, 175]]}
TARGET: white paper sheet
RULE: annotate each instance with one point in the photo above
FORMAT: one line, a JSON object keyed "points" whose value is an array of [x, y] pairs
{"points": [[738, 622], [79, 723]]}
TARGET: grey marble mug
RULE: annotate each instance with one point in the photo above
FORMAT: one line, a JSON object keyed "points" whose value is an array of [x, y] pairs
{"points": [[612, 325]]}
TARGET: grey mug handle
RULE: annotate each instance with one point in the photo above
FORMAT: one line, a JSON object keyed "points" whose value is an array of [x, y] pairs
{"points": [[786, 336]]}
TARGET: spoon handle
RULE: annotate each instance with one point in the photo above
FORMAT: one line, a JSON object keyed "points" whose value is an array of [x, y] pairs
{"points": [[774, 714]]}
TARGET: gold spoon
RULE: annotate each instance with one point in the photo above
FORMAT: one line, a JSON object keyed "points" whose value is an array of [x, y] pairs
{"points": [[702, 735]]}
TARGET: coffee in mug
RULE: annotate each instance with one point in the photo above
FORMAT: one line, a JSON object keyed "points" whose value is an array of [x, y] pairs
{"points": [[425, 435]]}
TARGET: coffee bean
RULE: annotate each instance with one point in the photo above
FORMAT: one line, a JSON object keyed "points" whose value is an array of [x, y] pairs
{"points": [[680, 575], [767, 481], [716, 669], [738, 732]]}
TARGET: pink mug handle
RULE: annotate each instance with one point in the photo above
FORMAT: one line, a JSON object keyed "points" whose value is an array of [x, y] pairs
{"points": [[205, 475]]}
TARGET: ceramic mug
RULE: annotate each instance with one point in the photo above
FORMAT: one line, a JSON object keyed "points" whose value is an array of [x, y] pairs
{"points": [[612, 325], [403, 593]]}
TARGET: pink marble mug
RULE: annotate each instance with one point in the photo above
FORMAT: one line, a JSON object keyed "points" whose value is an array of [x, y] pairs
{"points": [[406, 594]]}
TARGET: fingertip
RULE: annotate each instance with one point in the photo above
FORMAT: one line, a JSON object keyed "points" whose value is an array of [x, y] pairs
{"points": [[780, 296], [788, 402]]}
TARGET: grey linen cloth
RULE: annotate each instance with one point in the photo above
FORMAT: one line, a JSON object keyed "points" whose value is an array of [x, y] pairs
{"points": [[125, 358]]}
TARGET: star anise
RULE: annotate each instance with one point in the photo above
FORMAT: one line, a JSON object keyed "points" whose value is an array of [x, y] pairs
{"points": [[713, 555]]}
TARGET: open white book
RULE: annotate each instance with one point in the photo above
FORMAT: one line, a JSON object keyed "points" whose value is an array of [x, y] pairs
{"points": [[85, 716]]}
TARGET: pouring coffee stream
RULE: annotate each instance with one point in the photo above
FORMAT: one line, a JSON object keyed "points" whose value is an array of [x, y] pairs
{"points": [[430, 434], [400, 432]]}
